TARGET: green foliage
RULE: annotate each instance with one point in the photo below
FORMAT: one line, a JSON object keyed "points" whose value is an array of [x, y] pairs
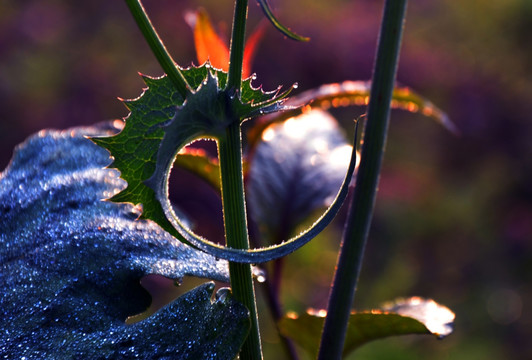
{"points": [[345, 94], [162, 122], [405, 317]]}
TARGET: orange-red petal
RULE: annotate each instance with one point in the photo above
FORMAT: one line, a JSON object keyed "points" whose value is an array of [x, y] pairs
{"points": [[209, 45]]}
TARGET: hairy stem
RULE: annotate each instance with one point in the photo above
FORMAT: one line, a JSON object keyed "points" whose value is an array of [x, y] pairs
{"points": [[361, 208], [233, 196], [157, 47], [236, 231], [236, 56]]}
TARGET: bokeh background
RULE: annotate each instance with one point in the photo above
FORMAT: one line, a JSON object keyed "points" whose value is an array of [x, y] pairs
{"points": [[454, 213]]}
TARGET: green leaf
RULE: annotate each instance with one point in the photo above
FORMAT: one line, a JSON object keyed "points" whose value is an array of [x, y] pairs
{"points": [[403, 317], [161, 123], [71, 264]]}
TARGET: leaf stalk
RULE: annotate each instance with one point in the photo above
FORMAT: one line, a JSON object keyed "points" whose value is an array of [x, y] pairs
{"points": [[361, 208]]}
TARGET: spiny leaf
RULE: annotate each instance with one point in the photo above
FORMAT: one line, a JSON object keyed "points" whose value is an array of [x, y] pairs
{"points": [[161, 113], [70, 265], [273, 252], [134, 149], [404, 317], [161, 123]]}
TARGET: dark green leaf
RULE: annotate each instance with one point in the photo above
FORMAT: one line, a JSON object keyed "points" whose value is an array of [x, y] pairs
{"points": [[404, 317], [70, 265], [161, 123]]}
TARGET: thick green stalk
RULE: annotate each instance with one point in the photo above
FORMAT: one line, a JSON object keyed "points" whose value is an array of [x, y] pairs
{"points": [[236, 231], [363, 201], [157, 47]]}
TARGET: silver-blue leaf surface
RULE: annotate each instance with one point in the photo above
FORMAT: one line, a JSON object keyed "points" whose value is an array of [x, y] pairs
{"points": [[70, 265]]}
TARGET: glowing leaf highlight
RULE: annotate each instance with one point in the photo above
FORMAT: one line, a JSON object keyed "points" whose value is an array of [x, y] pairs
{"points": [[351, 93], [403, 317]]}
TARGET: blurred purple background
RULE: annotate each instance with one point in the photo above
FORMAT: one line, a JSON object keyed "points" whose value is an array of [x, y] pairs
{"points": [[454, 214]]}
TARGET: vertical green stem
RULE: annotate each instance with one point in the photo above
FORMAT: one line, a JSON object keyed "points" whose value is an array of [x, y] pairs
{"points": [[157, 47], [361, 208], [230, 155], [233, 197], [236, 231], [236, 56]]}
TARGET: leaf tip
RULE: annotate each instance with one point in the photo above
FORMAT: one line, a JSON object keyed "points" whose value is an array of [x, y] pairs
{"points": [[437, 318]]}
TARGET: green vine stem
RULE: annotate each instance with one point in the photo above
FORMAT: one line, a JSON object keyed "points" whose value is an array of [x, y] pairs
{"points": [[157, 47], [361, 208], [233, 196]]}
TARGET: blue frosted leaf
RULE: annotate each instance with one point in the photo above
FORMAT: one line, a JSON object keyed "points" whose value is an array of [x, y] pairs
{"points": [[296, 169], [70, 265]]}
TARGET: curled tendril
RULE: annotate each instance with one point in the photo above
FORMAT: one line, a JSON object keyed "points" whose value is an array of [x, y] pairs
{"points": [[259, 255], [286, 31]]}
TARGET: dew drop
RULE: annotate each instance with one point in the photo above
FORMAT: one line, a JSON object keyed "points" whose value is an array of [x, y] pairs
{"points": [[259, 274]]}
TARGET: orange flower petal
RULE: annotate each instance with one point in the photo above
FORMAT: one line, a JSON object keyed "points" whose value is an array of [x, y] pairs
{"points": [[250, 48], [209, 46]]}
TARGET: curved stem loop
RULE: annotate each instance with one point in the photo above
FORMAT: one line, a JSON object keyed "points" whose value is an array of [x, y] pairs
{"points": [[256, 256]]}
